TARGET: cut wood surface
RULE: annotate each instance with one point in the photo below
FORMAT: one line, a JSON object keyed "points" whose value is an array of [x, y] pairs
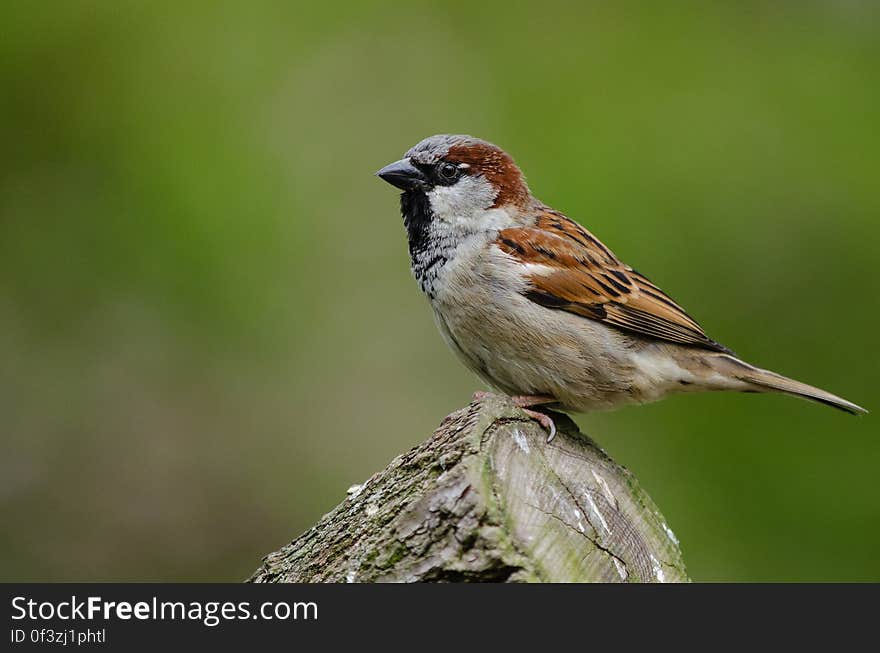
{"points": [[487, 499]]}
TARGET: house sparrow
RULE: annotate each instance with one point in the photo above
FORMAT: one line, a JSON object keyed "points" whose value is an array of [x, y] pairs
{"points": [[537, 306]]}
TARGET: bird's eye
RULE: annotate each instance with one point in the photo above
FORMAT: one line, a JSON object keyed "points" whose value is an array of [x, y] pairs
{"points": [[448, 171]]}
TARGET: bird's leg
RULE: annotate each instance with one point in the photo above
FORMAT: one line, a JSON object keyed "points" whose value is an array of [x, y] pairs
{"points": [[524, 401]]}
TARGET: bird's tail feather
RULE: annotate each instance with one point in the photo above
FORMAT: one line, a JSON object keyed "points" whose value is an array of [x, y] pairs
{"points": [[767, 381]]}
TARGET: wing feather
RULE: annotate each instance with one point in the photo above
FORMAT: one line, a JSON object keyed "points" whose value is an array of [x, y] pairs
{"points": [[571, 270]]}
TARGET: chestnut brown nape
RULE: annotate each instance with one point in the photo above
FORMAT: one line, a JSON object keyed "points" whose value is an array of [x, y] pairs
{"points": [[496, 166]]}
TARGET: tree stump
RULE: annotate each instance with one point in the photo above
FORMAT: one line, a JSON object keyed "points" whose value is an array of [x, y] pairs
{"points": [[488, 499]]}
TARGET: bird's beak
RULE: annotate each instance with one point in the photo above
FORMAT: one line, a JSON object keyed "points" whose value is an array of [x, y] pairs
{"points": [[402, 174]]}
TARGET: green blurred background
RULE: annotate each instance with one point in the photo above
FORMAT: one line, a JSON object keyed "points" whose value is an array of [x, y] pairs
{"points": [[208, 328]]}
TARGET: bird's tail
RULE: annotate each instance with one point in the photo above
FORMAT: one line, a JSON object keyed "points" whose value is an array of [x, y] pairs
{"points": [[760, 380]]}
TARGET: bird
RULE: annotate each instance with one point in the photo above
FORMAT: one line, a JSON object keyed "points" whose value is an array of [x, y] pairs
{"points": [[538, 307]]}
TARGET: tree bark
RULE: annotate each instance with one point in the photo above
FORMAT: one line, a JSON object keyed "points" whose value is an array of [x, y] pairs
{"points": [[487, 499]]}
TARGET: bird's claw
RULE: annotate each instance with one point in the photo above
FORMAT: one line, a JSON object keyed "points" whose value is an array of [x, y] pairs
{"points": [[543, 420]]}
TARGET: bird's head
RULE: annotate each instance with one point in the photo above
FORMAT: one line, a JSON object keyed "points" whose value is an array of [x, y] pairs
{"points": [[460, 177]]}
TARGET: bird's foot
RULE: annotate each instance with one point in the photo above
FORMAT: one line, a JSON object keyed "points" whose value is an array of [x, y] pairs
{"points": [[543, 420], [526, 401], [479, 395]]}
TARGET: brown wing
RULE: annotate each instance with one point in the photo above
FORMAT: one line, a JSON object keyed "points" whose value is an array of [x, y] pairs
{"points": [[580, 275]]}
